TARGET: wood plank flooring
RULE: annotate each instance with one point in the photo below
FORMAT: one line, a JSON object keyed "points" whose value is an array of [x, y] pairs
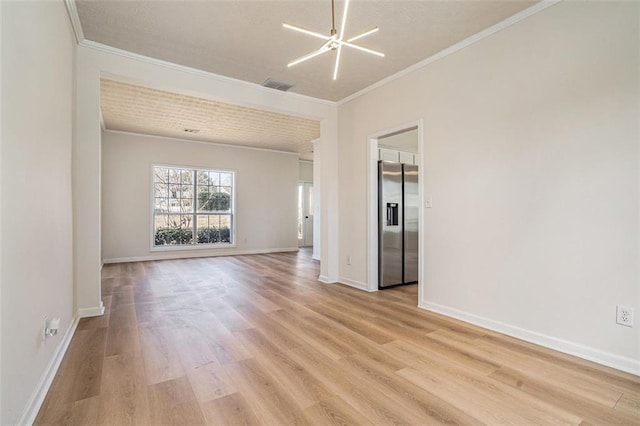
{"points": [[258, 340]]}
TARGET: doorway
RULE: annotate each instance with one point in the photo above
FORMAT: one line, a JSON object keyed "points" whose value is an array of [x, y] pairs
{"points": [[305, 214], [375, 142]]}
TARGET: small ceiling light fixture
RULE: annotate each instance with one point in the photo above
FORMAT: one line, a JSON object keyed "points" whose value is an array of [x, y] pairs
{"points": [[191, 130], [335, 41]]}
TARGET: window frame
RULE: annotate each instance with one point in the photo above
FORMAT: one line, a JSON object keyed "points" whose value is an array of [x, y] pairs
{"points": [[193, 246]]}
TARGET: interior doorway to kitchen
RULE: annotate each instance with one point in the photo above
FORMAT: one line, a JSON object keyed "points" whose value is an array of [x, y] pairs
{"points": [[389, 146]]}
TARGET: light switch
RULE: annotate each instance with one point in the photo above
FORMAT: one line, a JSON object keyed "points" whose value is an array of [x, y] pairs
{"points": [[428, 203]]}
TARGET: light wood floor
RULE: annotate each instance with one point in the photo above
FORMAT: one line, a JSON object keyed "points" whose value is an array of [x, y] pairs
{"points": [[258, 340]]}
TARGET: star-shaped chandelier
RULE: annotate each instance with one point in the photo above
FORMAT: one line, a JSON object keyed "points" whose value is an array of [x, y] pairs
{"points": [[333, 42]]}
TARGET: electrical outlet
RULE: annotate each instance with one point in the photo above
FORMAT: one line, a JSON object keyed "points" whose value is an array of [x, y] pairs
{"points": [[624, 315], [50, 327]]}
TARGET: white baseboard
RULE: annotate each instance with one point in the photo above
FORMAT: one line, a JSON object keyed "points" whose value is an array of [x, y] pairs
{"points": [[356, 284], [91, 312], [186, 255], [314, 257], [618, 362], [40, 392], [325, 279]]}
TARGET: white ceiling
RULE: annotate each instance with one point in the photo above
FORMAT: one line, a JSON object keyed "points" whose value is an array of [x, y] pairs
{"points": [[245, 39], [137, 109]]}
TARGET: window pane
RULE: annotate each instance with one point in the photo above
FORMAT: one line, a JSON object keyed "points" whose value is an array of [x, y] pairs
{"points": [[203, 177], [174, 191], [187, 191], [174, 205], [203, 221], [186, 205], [225, 220], [173, 230], [214, 229], [160, 174], [161, 190], [186, 177], [174, 176], [214, 201], [214, 178], [214, 221], [186, 221], [225, 179], [161, 205], [174, 221], [161, 221]]}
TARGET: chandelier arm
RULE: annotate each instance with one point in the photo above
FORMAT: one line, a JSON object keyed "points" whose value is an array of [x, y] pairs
{"points": [[308, 56], [305, 31], [344, 19], [335, 69], [364, 49], [364, 34]]}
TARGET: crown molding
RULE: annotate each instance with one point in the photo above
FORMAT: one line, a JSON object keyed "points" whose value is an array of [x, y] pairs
{"points": [[456, 47], [75, 20]]}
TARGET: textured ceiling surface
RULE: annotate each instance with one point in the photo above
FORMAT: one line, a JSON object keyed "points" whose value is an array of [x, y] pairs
{"points": [[137, 109], [245, 39]]}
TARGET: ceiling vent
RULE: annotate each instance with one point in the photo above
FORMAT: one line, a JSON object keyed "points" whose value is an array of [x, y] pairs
{"points": [[278, 85], [191, 130]]}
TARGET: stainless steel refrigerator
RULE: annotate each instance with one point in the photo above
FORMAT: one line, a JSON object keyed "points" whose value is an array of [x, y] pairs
{"points": [[398, 207]]}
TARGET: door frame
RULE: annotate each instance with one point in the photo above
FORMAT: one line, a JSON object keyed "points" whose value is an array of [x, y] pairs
{"points": [[372, 209]]}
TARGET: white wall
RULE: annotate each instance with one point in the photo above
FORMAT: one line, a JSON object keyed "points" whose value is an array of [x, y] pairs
{"points": [[531, 157], [1, 257], [317, 203], [37, 84], [266, 194], [305, 171], [406, 141]]}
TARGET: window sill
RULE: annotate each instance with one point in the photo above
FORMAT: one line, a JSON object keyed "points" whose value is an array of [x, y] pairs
{"points": [[194, 247]]}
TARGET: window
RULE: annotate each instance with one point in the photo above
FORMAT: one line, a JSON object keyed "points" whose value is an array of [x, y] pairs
{"points": [[192, 207]]}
